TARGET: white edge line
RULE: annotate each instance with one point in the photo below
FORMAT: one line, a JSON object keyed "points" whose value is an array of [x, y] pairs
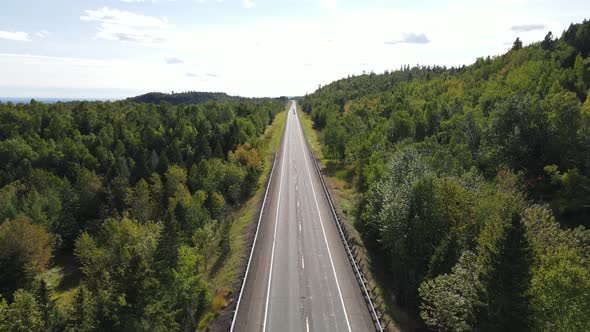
{"points": [[233, 322], [322, 224], [380, 327], [272, 255]]}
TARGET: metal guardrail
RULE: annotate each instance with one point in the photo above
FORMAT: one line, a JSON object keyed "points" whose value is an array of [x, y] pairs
{"points": [[345, 237], [351, 254]]}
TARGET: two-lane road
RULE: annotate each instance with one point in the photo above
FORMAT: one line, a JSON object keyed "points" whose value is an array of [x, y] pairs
{"points": [[299, 278]]}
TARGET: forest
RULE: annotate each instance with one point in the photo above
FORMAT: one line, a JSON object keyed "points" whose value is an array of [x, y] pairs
{"points": [[473, 183], [193, 97], [137, 194]]}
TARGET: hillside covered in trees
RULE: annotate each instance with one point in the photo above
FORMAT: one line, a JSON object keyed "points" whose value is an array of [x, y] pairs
{"points": [[192, 97], [474, 183], [136, 192]]}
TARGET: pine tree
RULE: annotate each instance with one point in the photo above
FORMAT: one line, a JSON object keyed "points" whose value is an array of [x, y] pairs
{"points": [[163, 164], [548, 43], [505, 259], [46, 305], [517, 45], [3, 314], [218, 152], [82, 318], [139, 202]]}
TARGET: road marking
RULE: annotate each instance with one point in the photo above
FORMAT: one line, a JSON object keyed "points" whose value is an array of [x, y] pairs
{"points": [[233, 322], [296, 187], [306, 324], [299, 227], [322, 224], [302, 262], [272, 255], [297, 203]]}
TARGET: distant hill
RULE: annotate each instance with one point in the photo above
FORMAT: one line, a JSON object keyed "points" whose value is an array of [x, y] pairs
{"points": [[48, 100], [192, 97]]}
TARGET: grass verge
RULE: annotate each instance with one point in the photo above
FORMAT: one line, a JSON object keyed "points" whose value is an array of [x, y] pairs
{"points": [[223, 279], [63, 278]]}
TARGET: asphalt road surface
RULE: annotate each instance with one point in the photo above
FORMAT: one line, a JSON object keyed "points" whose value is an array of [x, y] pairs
{"points": [[299, 278]]}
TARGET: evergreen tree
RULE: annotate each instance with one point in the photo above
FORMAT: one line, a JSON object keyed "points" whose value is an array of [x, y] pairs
{"points": [[46, 305], [82, 317], [548, 43], [139, 202], [517, 45]]}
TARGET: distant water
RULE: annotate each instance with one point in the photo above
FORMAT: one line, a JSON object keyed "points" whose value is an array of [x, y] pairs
{"points": [[49, 100]]}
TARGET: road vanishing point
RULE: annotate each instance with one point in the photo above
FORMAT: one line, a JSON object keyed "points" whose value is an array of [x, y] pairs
{"points": [[298, 277]]}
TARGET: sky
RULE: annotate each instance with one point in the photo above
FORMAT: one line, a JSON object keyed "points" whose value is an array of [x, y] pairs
{"points": [[254, 48]]}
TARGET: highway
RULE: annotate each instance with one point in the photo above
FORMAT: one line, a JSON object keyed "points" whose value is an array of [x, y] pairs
{"points": [[298, 277]]}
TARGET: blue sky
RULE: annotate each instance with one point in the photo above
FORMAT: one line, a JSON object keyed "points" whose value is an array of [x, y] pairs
{"points": [[118, 48]]}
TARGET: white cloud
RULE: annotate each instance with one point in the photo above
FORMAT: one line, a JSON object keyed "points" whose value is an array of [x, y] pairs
{"points": [[527, 27], [42, 33], [18, 36], [173, 60], [328, 4], [35, 72], [42, 75], [123, 25], [249, 4], [410, 38]]}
